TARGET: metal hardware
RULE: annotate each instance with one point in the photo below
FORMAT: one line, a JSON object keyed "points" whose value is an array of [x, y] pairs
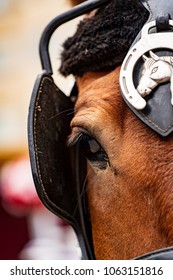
{"points": [[148, 42]]}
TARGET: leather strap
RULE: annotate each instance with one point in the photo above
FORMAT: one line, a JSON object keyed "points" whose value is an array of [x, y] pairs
{"points": [[162, 254]]}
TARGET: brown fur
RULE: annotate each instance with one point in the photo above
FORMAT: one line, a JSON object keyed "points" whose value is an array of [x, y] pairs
{"points": [[131, 201]]}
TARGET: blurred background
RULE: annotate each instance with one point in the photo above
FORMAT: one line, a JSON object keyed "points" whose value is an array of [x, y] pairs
{"points": [[27, 229]]}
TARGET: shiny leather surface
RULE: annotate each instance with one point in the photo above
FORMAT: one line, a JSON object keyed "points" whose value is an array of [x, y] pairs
{"points": [[162, 254]]}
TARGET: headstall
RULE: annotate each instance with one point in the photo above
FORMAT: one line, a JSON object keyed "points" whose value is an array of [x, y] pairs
{"points": [[146, 81]]}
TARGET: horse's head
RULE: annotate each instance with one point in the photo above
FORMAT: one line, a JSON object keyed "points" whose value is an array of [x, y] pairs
{"points": [[156, 70], [129, 181], [129, 188], [129, 172]]}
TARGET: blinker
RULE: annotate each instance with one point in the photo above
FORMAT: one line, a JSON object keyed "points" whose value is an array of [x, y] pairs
{"points": [[146, 77]]}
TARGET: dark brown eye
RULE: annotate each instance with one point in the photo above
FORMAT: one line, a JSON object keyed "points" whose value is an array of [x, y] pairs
{"points": [[93, 151]]}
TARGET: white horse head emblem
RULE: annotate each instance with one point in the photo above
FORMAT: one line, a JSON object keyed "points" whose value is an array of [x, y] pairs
{"points": [[156, 70]]}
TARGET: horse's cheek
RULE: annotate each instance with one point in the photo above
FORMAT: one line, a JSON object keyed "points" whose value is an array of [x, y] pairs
{"points": [[102, 196]]}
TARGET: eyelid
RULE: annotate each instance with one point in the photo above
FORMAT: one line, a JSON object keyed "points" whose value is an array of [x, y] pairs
{"points": [[76, 135]]}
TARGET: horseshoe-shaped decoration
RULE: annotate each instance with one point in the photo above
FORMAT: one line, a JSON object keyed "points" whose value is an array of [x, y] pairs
{"points": [[147, 92]]}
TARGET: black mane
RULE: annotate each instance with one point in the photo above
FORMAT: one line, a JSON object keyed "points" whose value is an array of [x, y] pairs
{"points": [[102, 41]]}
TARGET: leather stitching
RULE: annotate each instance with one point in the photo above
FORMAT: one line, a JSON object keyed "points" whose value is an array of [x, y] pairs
{"points": [[154, 124], [35, 137]]}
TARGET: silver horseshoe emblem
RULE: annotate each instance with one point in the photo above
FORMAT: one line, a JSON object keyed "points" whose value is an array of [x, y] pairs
{"points": [[155, 70]]}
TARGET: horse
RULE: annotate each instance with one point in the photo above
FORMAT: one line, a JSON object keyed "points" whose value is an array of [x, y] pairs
{"points": [[129, 190], [129, 171], [129, 175]]}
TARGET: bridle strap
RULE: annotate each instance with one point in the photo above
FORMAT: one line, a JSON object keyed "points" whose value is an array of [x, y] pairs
{"points": [[162, 254]]}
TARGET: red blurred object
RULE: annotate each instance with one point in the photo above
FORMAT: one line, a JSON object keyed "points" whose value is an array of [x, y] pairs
{"points": [[17, 188], [13, 235], [17, 197], [31, 232]]}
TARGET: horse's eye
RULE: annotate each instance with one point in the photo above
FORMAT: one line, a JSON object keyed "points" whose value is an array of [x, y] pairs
{"points": [[93, 151], [154, 70]]}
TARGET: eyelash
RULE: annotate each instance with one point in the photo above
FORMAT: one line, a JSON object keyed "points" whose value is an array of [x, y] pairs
{"points": [[92, 150]]}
